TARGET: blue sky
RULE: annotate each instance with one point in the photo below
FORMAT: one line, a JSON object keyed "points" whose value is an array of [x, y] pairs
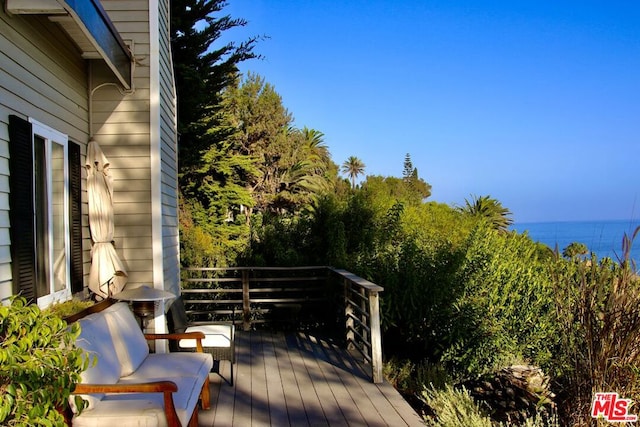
{"points": [[535, 103]]}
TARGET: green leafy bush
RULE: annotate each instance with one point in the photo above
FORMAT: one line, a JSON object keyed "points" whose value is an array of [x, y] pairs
{"points": [[505, 310], [452, 407], [410, 377], [68, 308], [39, 365], [419, 252]]}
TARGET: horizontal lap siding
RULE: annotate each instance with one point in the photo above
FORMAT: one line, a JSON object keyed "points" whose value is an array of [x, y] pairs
{"points": [[122, 127], [44, 77], [131, 158], [168, 156], [41, 76]]}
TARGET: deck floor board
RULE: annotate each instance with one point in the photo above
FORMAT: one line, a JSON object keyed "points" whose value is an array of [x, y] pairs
{"points": [[297, 379]]}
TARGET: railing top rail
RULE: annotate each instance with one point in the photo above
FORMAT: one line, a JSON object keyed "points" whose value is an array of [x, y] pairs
{"points": [[370, 286], [357, 280], [318, 267]]}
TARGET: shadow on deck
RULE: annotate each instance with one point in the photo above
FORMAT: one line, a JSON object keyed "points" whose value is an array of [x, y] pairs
{"points": [[298, 379]]}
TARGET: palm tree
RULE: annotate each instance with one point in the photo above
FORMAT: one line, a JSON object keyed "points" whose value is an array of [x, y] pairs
{"points": [[490, 210], [301, 183], [317, 151], [353, 167]]}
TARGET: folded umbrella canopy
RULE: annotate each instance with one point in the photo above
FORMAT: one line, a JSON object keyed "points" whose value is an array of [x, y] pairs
{"points": [[107, 275]]}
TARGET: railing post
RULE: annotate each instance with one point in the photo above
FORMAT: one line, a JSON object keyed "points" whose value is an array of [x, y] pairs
{"points": [[246, 301], [376, 341]]}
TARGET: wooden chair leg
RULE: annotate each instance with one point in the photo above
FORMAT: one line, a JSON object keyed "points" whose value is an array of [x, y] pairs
{"points": [[205, 395], [193, 422]]}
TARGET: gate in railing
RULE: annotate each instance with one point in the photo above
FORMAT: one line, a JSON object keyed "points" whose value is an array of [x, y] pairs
{"points": [[290, 297]]}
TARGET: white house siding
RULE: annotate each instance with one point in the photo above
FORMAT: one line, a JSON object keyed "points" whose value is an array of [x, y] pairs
{"points": [[146, 199], [168, 155], [122, 127], [163, 132], [41, 76]]}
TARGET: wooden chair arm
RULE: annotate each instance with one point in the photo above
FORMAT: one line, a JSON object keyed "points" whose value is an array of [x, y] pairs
{"points": [[150, 387], [164, 387], [175, 336], [198, 336]]}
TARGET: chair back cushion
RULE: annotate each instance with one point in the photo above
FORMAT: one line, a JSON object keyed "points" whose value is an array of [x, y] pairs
{"points": [[96, 341], [129, 341], [177, 319]]}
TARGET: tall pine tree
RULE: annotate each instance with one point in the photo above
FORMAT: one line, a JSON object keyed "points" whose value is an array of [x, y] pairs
{"points": [[211, 176], [203, 69]]}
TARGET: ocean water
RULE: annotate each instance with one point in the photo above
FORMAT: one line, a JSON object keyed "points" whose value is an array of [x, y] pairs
{"points": [[604, 238]]}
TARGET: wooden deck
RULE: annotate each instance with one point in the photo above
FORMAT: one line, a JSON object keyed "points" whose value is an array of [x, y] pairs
{"points": [[299, 380]]}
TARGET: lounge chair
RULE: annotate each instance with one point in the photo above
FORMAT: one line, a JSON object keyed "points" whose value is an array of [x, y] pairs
{"points": [[219, 337]]}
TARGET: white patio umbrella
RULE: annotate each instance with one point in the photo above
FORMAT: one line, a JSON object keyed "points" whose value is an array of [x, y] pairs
{"points": [[107, 275]]}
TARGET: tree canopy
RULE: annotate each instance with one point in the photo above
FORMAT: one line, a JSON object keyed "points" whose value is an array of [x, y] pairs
{"points": [[490, 210], [203, 68]]}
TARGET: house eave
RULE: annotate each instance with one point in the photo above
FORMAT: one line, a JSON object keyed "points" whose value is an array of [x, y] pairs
{"points": [[89, 26]]}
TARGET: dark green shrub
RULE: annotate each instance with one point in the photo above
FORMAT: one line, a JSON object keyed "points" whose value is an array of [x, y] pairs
{"points": [[39, 365], [505, 309]]}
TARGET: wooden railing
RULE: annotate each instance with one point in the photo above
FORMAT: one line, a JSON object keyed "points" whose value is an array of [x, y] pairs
{"points": [[293, 297], [362, 319]]}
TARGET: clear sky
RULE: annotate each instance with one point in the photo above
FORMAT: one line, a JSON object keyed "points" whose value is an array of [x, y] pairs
{"points": [[535, 103]]}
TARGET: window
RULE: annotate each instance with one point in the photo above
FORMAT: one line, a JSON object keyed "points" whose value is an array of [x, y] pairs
{"points": [[44, 210], [51, 214]]}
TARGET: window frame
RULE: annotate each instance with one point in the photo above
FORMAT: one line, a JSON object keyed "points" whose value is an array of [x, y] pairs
{"points": [[50, 137]]}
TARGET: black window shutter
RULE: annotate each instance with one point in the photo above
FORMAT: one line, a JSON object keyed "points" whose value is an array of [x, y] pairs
{"points": [[21, 207], [75, 212]]}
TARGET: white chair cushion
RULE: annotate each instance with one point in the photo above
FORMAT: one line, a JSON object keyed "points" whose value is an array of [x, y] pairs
{"points": [[130, 344], [96, 341], [214, 336], [167, 366], [188, 373], [184, 400], [126, 411]]}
